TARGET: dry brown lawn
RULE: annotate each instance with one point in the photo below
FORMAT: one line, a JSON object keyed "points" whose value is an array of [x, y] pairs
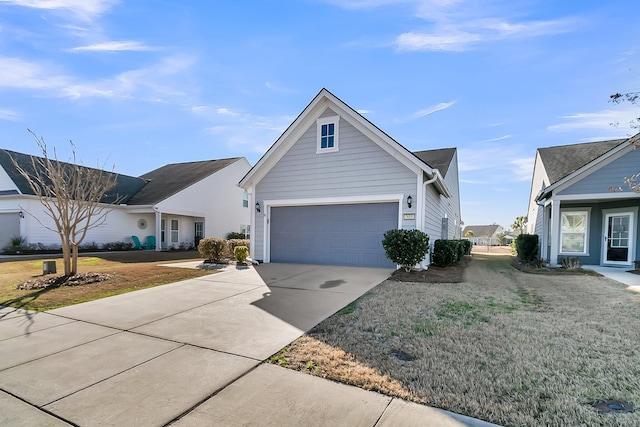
{"points": [[504, 346], [130, 271]]}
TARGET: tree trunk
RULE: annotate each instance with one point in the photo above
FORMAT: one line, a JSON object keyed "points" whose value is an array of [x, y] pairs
{"points": [[66, 257], [74, 259]]}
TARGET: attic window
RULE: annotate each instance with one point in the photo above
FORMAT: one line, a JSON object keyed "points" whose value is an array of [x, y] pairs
{"points": [[327, 139]]}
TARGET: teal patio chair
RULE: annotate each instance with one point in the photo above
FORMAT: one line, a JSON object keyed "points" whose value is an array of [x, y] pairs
{"points": [[150, 243], [136, 243]]}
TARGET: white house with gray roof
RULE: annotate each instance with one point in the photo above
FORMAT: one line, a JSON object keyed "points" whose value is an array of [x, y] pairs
{"points": [[580, 206], [333, 183], [177, 204]]}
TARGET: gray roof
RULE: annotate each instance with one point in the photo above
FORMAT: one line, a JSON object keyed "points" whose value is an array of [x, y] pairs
{"points": [[561, 161], [175, 177], [437, 159], [126, 186], [481, 230], [148, 189]]}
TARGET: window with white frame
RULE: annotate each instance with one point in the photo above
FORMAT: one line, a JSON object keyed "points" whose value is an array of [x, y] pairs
{"points": [[174, 231], [327, 134], [574, 229], [245, 229], [245, 200]]}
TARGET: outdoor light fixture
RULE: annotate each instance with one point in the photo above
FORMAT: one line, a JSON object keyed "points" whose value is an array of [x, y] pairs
{"points": [[409, 200], [21, 214], [258, 206]]}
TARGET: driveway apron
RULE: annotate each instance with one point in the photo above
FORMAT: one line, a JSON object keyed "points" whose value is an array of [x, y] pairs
{"points": [[152, 357]]}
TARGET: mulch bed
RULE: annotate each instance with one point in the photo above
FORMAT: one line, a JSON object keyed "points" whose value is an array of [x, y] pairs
{"points": [[451, 274], [57, 281], [552, 270]]}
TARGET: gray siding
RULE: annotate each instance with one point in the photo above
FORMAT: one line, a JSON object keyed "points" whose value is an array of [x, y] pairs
{"points": [[534, 213], [611, 175], [359, 168], [451, 205]]}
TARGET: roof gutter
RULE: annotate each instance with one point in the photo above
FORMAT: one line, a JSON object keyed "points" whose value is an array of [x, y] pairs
{"points": [[438, 181]]}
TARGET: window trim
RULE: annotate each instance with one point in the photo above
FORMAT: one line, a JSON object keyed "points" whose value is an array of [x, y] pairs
{"points": [[335, 120], [587, 214], [172, 230], [245, 200]]}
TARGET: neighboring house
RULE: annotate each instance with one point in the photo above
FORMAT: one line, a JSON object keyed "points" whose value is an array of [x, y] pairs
{"points": [[573, 206], [333, 183], [483, 235], [167, 203]]}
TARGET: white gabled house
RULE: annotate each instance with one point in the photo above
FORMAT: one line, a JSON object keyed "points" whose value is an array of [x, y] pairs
{"points": [[331, 185], [177, 204], [580, 207]]}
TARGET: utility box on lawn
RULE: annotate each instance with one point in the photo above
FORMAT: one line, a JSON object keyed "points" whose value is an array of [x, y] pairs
{"points": [[48, 267]]}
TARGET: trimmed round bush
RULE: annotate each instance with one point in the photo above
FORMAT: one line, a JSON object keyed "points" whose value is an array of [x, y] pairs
{"points": [[406, 247], [213, 248], [241, 253]]}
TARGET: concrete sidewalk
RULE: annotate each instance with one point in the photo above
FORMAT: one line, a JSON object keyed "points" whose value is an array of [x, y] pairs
{"points": [[619, 274], [190, 354]]}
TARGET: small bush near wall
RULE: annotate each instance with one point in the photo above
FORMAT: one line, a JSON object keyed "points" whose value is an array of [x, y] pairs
{"points": [[448, 252], [406, 247], [233, 243], [527, 248], [445, 252], [467, 245], [241, 253], [213, 249], [235, 235], [571, 263]]}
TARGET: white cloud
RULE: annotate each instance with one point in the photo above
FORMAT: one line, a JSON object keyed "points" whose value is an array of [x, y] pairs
{"points": [[433, 109], [464, 35], [82, 9], [499, 138], [522, 168], [114, 46], [144, 84], [599, 120], [17, 73], [457, 25], [10, 115], [364, 112], [227, 112]]}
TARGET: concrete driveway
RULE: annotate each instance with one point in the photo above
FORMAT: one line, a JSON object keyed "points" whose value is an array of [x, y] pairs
{"points": [[149, 357], [189, 353]]}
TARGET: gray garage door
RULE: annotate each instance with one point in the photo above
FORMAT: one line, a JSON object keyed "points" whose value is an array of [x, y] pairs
{"points": [[332, 234], [9, 227]]}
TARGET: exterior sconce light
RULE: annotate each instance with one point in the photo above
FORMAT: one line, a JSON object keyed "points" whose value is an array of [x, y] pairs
{"points": [[257, 206], [21, 214], [409, 201]]}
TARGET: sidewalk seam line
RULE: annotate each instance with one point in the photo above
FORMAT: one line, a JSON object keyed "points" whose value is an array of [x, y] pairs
{"points": [[40, 408]]}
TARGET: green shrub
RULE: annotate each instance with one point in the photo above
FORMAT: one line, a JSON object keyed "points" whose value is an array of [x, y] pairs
{"points": [[235, 235], [445, 252], [241, 253], [406, 247], [237, 242], [527, 248], [213, 248], [467, 246]]}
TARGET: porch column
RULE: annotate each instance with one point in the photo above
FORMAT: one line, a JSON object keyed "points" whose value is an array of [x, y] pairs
{"points": [[555, 232], [158, 230]]}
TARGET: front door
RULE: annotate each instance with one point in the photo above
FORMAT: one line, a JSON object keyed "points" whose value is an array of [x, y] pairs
{"points": [[198, 233], [618, 244]]}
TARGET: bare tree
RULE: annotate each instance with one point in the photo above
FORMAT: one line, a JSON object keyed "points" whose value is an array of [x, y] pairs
{"points": [[634, 98], [72, 196]]}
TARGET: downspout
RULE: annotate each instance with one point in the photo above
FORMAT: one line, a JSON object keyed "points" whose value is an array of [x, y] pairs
{"points": [[433, 178]]}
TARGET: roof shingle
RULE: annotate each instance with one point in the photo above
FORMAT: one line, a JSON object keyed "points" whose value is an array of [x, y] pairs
{"points": [[561, 161]]}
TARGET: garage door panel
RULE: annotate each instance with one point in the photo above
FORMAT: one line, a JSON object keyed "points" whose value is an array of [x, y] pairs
{"points": [[332, 234]]}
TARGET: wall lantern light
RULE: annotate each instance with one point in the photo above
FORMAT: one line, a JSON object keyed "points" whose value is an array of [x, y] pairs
{"points": [[21, 214], [409, 201], [258, 206]]}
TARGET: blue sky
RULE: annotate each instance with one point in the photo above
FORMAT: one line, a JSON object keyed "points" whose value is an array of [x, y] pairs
{"points": [[140, 84]]}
